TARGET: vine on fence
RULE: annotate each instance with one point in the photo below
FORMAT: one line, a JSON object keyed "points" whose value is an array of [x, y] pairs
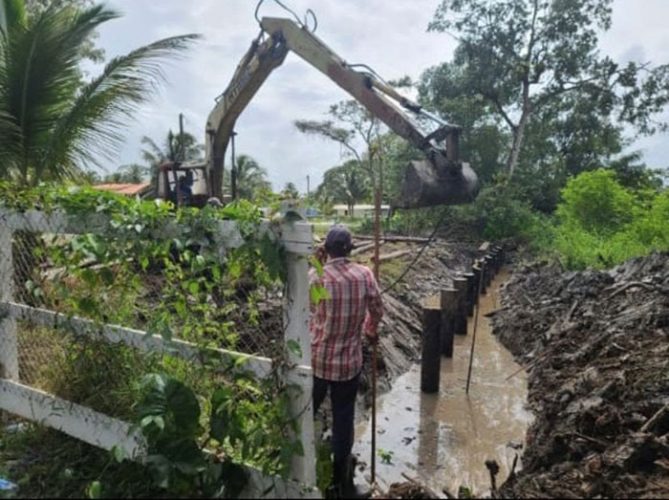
{"points": [[162, 270]]}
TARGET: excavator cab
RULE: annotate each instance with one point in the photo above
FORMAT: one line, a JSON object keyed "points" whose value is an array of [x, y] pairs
{"points": [[184, 184]]}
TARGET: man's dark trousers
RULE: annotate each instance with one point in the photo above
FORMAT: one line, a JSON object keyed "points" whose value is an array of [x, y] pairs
{"points": [[342, 396]]}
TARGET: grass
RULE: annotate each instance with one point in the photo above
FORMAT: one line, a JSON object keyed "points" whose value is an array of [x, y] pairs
{"points": [[45, 463]]}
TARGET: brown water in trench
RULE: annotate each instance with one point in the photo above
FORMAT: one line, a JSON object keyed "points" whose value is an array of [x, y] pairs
{"points": [[443, 440]]}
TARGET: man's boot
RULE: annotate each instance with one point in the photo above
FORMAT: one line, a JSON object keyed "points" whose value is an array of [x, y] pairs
{"points": [[338, 479], [350, 489]]}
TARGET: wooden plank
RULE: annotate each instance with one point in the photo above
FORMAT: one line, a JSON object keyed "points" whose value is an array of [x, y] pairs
{"points": [[74, 420], [9, 351], [295, 236], [393, 255], [138, 339], [430, 360], [406, 239]]}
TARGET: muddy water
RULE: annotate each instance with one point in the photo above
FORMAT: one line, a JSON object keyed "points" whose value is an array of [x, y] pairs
{"points": [[443, 440]]}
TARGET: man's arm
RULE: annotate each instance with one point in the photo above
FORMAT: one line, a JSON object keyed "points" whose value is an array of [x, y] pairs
{"points": [[374, 308]]}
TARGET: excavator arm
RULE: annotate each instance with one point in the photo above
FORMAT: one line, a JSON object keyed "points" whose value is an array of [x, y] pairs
{"points": [[440, 179]]}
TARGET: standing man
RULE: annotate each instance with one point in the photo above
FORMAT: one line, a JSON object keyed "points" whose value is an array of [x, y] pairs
{"points": [[352, 308]]}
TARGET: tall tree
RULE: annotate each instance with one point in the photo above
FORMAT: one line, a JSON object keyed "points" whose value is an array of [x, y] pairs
{"points": [[290, 191], [359, 134], [521, 56], [346, 183], [133, 174], [89, 50], [51, 126], [251, 178]]}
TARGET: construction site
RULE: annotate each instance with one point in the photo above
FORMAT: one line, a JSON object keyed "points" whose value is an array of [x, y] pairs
{"points": [[467, 298]]}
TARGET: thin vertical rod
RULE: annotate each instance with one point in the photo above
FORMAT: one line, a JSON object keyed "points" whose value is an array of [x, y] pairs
{"points": [[377, 244], [476, 321]]}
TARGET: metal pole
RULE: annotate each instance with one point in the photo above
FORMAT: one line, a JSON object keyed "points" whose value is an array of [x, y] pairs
{"points": [[182, 150], [377, 241], [476, 319]]}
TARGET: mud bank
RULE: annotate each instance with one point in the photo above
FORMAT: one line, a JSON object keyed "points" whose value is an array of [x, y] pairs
{"points": [[597, 349]]}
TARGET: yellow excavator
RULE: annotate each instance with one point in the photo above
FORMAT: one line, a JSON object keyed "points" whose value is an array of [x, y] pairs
{"points": [[439, 179]]}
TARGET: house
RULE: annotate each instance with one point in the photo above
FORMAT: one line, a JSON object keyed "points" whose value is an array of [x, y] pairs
{"points": [[363, 211]]}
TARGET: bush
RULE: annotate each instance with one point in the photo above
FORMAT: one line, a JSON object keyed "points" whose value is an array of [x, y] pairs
{"points": [[602, 224], [596, 202], [500, 213]]}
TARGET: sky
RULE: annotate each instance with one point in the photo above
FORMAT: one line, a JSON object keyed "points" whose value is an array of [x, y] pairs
{"points": [[389, 35]]}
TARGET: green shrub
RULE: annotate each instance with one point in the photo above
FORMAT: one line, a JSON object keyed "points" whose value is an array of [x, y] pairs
{"points": [[602, 224], [596, 202]]}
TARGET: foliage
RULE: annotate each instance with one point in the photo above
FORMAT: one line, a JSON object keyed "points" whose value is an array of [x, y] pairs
{"points": [[518, 59], [596, 203], [177, 147], [346, 183], [201, 423], [351, 125], [51, 126], [290, 192], [251, 178], [88, 49], [132, 174], [601, 223], [45, 463]]}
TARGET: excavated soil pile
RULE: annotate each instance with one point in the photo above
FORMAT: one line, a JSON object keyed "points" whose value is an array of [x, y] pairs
{"points": [[407, 490], [597, 346]]}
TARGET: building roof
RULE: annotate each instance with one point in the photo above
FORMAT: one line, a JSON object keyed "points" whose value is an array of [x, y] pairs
{"points": [[124, 189], [360, 207]]}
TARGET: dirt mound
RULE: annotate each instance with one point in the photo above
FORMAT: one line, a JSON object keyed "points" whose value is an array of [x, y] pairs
{"points": [[597, 346], [407, 490]]}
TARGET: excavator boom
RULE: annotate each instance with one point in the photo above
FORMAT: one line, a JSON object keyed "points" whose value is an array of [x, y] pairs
{"points": [[440, 179]]}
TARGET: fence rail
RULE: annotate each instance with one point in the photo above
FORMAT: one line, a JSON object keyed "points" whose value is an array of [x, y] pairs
{"points": [[106, 432]]}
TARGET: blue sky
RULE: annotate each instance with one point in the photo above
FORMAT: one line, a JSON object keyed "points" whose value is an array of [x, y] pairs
{"points": [[389, 35]]}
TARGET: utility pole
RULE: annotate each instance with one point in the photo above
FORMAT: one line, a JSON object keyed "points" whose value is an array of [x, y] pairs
{"points": [[182, 150], [233, 169]]}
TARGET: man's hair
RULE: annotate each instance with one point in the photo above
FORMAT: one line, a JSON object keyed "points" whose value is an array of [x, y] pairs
{"points": [[337, 250], [338, 242]]}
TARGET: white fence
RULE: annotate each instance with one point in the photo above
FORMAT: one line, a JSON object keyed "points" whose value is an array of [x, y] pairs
{"points": [[107, 432]]}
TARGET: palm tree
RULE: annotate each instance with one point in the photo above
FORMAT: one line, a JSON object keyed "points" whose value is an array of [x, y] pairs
{"points": [[172, 150], [178, 147], [347, 183], [290, 191], [251, 177], [50, 125], [133, 174]]}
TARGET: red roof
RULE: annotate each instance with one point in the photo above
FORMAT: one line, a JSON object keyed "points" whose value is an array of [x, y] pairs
{"points": [[124, 189]]}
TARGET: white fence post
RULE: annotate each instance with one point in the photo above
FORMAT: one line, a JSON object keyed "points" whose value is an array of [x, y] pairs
{"points": [[296, 311], [9, 352]]}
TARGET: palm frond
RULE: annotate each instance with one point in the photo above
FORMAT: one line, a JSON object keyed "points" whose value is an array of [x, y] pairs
{"points": [[91, 129], [39, 76]]}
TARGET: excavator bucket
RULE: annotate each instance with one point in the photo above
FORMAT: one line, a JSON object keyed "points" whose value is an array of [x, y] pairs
{"points": [[426, 185]]}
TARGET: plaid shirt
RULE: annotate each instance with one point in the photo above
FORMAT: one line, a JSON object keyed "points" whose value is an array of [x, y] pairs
{"points": [[337, 322]]}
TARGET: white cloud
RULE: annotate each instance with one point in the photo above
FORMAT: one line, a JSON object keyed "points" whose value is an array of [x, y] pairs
{"points": [[389, 35]]}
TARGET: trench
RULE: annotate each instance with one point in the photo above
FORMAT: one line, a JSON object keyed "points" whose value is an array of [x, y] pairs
{"points": [[443, 440]]}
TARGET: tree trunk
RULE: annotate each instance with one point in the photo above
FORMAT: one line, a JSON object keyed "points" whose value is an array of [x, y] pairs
{"points": [[519, 132]]}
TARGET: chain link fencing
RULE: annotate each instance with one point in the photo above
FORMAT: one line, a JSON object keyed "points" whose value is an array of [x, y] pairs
{"points": [[102, 278]]}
